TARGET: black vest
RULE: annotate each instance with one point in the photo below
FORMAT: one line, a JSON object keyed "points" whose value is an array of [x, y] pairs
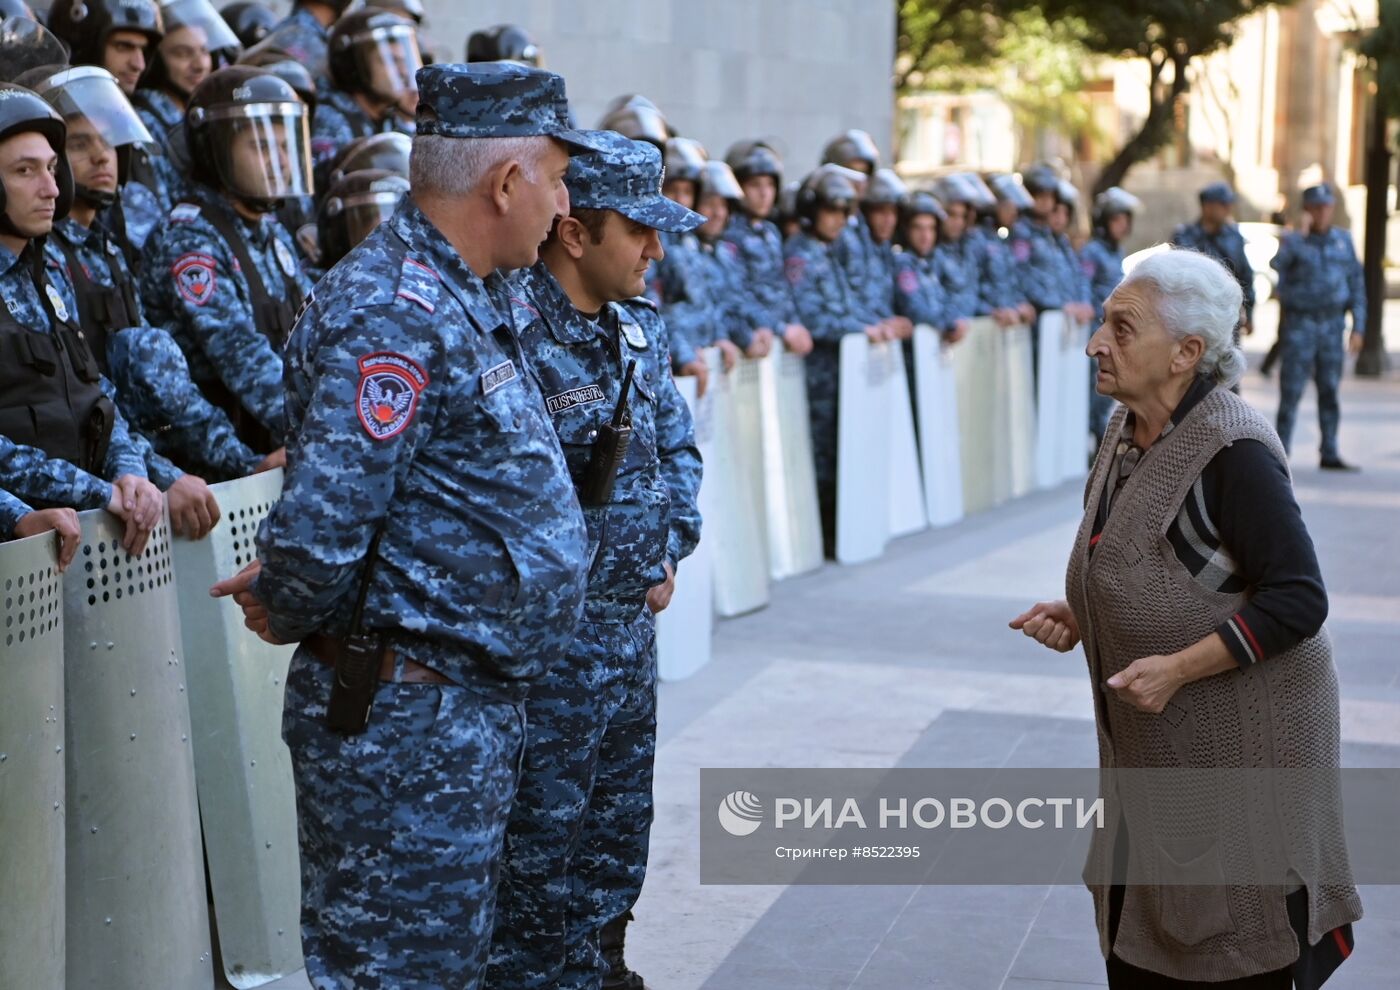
{"points": [[102, 311], [50, 393]]}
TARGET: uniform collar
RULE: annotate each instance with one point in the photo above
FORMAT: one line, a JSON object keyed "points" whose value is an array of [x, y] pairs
{"points": [[8, 259], [76, 234], [304, 17], [566, 324], [479, 297]]}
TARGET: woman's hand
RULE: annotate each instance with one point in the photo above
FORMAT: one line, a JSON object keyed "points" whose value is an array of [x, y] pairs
{"points": [[1051, 624], [1148, 683]]}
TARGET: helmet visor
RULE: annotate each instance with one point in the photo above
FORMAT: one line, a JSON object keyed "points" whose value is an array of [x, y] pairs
{"points": [[366, 210], [388, 60], [263, 150], [208, 28], [94, 95]]}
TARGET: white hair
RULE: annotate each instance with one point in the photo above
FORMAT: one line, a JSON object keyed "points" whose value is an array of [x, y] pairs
{"points": [[447, 166], [1197, 295]]}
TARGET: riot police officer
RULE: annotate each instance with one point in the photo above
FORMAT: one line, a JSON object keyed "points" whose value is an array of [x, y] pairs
{"points": [[958, 255], [866, 249], [118, 35], [1103, 264], [577, 841], [919, 294], [759, 171], [853, 149], [144, 363], [251, 22], [63, 442], [1319, 279], [372, 62], [413, 416], [388, 151], [1051, 276], [222, 274], [305, 32], [828, 307], [355, 204], [633, 115], [1215, 235], [504, 43]]}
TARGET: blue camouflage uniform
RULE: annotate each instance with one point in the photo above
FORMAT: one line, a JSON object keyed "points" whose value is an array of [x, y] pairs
{"points": [[411, 414], [1319, 279], [338, 121], [698, 287], [147, 368], [959, 268], [27, 472], [918, 294], [12, 510], [304, 38], [869, 267], [760, 256], [1050, 273], [1226, 246], [576, 847], [1102, 260], [193, 286], [163, 117], [829, 309], [999, 283]]}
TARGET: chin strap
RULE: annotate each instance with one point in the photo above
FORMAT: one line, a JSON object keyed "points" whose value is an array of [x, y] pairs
{"points": [[94, 197]]}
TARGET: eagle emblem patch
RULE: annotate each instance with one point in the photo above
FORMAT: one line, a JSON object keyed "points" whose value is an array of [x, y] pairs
{"points": [[388, 395]]}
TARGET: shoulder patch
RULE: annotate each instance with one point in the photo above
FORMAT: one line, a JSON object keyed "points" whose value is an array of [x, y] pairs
{"points": [[418, 284], [494, 377], [388, 394], [794, 267], [908, 281], [1087, 266], [1021, 250], [194, 277], [184, 213]]}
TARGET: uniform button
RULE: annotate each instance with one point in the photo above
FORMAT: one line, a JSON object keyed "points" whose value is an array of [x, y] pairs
{"points": [[592, 434]]}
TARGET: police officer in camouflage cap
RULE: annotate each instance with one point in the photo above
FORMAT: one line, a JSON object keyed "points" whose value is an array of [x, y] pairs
{"points": [[576, 847], [424, 479], [1214, 234]]}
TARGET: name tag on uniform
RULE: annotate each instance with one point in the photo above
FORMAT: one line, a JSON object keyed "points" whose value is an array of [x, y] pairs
{"points": [[635, 338], [285, 261], [55, 300], [573, 397], [494, 378]]}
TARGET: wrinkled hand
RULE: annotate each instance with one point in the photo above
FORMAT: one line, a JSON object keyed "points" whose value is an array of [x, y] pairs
{"points": [[761, 343], [1050, 624], [660, 595], [193, 509], [63, 523], [1355, 342], [136, 502], [276, 459], [798, 339], [698, 370], [1147, 683], [254, 612], [728, 352]]}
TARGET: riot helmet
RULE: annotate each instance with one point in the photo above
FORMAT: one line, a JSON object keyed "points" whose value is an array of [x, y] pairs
{"points": [[826, 188], [1008, 188], [375, 52], [786, 211], [1114, 201], [280, 63], [355, 204], [250, 22], [852, 146], [1040, 179], [684, 159], [197, 41], [504, 43], [26, 44], [17, 8], [750, 158], [920, 203], [85, 25], [389, 151], [634, 116], [886, 188], [249, 136], [24, 112], [412, 9], [717, 179], [1067, 195], [97, 116]]}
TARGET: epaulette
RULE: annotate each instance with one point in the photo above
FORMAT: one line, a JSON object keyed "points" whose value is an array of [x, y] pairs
{"points": [[184, 213], [644, 301], [419, 284]]}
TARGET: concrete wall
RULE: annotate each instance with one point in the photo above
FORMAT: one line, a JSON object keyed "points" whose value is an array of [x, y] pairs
{"points": [[795, 71]]}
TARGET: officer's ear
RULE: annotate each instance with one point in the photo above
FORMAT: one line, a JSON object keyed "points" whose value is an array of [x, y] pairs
{"points": [[571, 235], [504, 183]]}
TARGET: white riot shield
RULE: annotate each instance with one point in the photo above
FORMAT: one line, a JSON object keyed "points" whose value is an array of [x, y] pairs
{"points": [[935, 377], [863, 450], [790, 480], [906, 493], [1019, 396], [976, 381], [137, 916], [31, 765], [683, 630], [1049, 413], [740, 550], [244, 772], [1001, 417], [1074, 401]]}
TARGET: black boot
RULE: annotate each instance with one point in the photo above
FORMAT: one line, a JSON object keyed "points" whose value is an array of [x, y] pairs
{"points": [[611, 942]]}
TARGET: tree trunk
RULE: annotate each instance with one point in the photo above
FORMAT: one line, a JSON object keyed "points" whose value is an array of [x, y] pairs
{"points": [[1156, 130]]}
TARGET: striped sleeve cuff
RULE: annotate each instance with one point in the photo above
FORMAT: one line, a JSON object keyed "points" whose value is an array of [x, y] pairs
{"points": [[1241, 641]]}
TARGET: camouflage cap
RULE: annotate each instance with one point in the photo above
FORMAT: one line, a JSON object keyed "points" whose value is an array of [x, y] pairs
{"points": [[1217, 192], [496, 99], [1319, 195], [626, 176]]}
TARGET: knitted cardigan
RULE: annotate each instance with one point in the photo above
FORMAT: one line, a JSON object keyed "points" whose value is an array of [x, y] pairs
{"points": [[1132, 598]]}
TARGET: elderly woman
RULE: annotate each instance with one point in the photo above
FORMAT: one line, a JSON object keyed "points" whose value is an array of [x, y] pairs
{"points": [[1195, 591]]}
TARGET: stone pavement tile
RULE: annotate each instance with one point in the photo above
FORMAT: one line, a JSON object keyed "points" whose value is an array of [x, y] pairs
{"points": [[740, 977], [1018, 903], [1016, 983], [1373, 964], [1381, 902], [1051, 750], [942, 948], [1053, 957], [1068, 912]]}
